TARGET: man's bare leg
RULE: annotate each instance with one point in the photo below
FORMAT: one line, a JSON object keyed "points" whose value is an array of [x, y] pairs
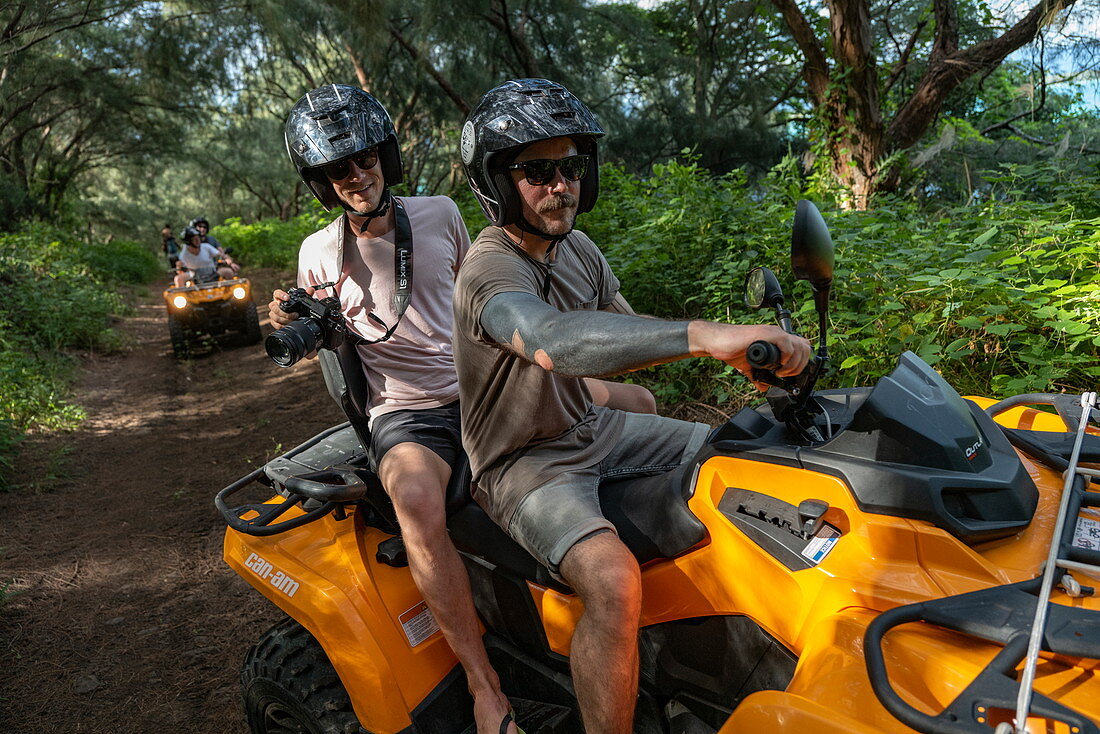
{"points": [[621, 396], [604, 654], [416, 479]]}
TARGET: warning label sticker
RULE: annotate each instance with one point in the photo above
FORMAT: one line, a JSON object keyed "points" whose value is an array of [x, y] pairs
{"points": [[1087, 532], [418, 624], [822, 542]]}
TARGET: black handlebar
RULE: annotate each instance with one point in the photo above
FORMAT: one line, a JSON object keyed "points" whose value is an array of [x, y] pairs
{"points": [[764, 355]]}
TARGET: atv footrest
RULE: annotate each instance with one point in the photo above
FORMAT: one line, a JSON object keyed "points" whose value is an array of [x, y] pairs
{"points": [[536, 717]]}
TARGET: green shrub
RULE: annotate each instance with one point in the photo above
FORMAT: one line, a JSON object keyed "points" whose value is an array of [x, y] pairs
{"points": [[56, 293], [1002, 297], [124, 261], [271, 242], [9, 440]]}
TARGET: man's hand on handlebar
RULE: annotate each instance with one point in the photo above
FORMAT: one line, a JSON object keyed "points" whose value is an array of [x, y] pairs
{"points": [[730, 343]]}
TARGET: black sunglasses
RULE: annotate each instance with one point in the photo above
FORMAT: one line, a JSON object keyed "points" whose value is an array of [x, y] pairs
{"points": [[341, 169], [539, 171]]}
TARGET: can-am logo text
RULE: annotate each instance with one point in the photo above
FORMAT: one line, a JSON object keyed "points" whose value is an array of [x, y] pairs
{"points": [[972, 451], [267, 572]]}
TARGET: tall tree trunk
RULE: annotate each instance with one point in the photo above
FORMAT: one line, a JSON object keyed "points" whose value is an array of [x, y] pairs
{"points": [[845, 95], [855, 126]]}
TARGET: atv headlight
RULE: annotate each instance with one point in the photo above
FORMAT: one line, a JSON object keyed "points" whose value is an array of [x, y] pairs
{"points": [[239, 293], [179, 302]]}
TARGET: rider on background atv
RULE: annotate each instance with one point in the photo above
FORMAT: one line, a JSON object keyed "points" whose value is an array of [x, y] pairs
{"points": [[536, 309], [200, 261], [203, 226]]}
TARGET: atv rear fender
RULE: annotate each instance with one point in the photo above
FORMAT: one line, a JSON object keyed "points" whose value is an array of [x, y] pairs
{"points": [[366, 615]]}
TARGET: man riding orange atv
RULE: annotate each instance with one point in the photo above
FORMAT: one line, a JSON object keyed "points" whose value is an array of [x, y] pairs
{"points": [[892, 558]]}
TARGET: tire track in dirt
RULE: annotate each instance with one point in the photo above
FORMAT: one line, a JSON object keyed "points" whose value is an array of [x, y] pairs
{"points": [[119, 615]]}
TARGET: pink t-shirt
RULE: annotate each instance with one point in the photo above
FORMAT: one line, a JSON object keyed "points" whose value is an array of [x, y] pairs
{"points": [[414, 369]]}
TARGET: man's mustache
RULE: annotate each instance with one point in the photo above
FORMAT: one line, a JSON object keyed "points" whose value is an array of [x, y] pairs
{"points": [[555, 202]]}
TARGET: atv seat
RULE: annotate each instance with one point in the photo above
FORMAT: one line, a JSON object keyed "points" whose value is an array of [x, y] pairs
{"points": [[650, 513]]}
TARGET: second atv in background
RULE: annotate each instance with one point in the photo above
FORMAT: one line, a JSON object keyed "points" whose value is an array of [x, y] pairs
{"points": [[208, 297]]}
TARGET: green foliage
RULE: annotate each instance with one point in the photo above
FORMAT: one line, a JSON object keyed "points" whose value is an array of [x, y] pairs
{"points": [[1001, 297], [271, 242], [56, 294]]}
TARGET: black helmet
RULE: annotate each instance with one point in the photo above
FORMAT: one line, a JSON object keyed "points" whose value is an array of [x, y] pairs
{"points": [[512, 116], [197, 221], [333, 122], [189, 232]]}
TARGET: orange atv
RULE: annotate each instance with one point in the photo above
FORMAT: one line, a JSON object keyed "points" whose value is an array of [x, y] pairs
{"points": [[892, 558], [210, 306]]}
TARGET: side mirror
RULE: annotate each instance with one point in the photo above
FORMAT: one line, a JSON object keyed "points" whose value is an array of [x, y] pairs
{"points": [[812, 250], [762, 289]]}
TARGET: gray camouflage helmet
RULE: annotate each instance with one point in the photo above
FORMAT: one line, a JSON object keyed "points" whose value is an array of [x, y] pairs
{"points": [[512, 116], [334, 122]]}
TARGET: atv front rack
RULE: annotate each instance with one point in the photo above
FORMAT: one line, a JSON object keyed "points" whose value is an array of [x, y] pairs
{"points": [[319, 475], [1018, 616]]}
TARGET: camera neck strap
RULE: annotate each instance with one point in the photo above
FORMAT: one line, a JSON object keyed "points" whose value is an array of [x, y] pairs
{"points": [[402, 271]]}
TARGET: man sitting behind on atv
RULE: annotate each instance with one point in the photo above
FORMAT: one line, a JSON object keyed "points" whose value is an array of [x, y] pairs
{"points": [[344, 146], [200, 262], [536, 309]]}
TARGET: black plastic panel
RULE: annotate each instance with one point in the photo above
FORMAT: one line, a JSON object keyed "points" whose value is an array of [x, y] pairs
{"points": [[910, 447]]}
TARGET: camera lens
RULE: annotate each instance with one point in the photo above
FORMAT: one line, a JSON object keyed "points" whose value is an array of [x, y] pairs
{"points": [[292, 342]]}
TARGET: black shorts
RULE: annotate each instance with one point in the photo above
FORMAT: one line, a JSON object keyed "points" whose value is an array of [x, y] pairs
{"points": [[439, 429]]}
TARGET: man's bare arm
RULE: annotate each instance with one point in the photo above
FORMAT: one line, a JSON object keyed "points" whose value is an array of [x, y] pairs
{"points": [[600, 343]]}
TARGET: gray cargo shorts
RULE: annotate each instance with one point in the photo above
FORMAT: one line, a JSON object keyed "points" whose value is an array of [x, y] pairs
{"points": [[565, 510]]}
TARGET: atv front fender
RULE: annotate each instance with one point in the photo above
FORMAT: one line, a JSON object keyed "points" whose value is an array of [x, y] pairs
{"points": [[366, 615]]}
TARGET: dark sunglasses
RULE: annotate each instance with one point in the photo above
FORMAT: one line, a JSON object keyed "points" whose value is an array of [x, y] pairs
{"points": [[540, 171], [341, 169]]}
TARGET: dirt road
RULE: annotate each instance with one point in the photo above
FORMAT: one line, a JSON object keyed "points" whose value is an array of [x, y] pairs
{"points": [[116, 612]]}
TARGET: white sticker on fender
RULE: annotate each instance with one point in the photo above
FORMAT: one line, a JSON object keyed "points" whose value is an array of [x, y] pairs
{"points": [[418, 624], [820, 545], [1087, 532]]}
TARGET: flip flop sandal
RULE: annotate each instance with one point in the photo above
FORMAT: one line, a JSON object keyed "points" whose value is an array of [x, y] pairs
{"points": [[509, 718]]}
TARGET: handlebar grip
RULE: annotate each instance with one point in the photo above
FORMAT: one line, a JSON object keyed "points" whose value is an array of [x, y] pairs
{"points": [[764, 355]]}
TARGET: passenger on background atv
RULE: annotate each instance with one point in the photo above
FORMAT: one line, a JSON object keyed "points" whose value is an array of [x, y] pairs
{"points": [[169, 246], [200, 262], [536, 309]]}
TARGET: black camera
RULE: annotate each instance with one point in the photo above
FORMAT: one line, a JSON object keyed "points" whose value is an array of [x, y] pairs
{"points": [[320, 326]]}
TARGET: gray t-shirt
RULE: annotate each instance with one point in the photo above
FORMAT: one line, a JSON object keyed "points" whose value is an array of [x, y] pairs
{"points": [[523, 425]]}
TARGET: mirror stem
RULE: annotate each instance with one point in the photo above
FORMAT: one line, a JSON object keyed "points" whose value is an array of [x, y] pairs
{"points": [[784, 317], [821, 303]]}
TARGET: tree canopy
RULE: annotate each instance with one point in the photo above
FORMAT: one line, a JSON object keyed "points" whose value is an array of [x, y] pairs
{"points": [[134, 112]]}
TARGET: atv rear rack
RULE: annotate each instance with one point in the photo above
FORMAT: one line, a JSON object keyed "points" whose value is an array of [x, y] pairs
{"points": [[1019, 616]]}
